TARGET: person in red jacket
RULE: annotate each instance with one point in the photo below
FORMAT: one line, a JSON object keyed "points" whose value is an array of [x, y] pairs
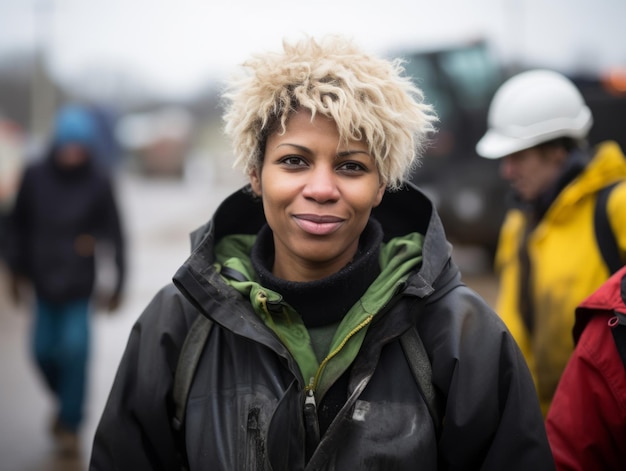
{"points": [[586, 423]]}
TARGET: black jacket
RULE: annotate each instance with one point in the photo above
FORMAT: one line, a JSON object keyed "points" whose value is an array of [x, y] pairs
{"points": [[245, 405], [58, 217]]}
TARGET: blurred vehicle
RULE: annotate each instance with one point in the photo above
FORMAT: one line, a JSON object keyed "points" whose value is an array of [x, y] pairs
{"points": [[605, 94], [157, 141], [460, 81]]}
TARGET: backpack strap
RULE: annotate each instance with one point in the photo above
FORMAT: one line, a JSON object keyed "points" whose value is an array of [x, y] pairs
{"points": [[420, 366], [604, 234], [188, 360]]}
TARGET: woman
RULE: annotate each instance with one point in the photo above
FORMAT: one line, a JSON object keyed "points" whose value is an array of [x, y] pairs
{"points": [[310, 277]]}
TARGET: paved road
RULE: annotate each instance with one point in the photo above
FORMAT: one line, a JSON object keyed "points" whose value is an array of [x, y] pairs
{"points": [[159, 216]]}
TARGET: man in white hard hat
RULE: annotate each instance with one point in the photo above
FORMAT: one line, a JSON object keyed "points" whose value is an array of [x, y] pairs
{"points": [[550, 253]]}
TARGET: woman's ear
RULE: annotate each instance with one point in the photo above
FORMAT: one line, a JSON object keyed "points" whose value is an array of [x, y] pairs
{"points": [[380, 193], [255, 181]]}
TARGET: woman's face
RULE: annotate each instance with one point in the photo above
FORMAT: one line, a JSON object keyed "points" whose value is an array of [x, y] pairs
{"points": [[317, 195]]}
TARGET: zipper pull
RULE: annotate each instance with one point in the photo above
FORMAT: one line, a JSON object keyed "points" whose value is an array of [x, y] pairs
{"points": [[311, 424], [310, 406]]}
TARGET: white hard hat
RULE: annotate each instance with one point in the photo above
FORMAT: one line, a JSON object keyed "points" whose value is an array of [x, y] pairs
{"points": [[531, 108]]}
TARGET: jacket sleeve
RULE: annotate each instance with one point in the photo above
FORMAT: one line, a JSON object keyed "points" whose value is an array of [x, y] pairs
{"points": [[585, 423], [492, 418], [134, 432], [17, 227]]}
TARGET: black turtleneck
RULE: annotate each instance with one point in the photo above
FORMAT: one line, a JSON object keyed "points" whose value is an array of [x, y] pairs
{"points": [[322, 304], [326, 301]]}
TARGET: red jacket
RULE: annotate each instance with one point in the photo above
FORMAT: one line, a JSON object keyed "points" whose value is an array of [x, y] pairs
{"points": [[586, 423]]}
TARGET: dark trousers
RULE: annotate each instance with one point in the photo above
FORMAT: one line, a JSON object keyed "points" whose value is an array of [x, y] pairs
{"points": [[61, 348]]}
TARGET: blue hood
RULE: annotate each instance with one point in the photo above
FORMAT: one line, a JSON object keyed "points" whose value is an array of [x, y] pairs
{"points": [[74, 125]]}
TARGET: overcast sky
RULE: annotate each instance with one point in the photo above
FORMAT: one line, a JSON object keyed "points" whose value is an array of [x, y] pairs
{"points": [[178, 44]]}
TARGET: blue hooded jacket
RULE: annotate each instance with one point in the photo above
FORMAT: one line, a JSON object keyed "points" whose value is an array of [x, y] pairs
{"points": [[61, 214]]}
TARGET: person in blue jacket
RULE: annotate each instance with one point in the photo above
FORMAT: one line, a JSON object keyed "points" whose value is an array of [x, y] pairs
{"points": [[64, 209]]}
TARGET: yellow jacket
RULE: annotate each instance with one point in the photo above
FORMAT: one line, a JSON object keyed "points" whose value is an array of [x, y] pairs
{"points": [[566, 265]]}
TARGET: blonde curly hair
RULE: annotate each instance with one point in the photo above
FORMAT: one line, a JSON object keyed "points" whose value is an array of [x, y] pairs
{"points": [[367, 97]]}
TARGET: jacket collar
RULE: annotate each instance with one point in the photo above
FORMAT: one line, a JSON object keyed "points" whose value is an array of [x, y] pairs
{"points": [[610, 297]]}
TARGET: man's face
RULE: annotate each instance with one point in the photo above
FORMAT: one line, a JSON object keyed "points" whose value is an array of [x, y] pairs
{"points": [[532, 171], [71, 155]]}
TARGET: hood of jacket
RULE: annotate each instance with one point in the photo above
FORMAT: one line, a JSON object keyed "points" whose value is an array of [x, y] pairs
{"points": [[74, 125], [401, 212], [607, 166], [610, 297]]}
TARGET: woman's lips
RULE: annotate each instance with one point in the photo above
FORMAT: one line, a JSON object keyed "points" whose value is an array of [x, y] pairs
{"points": [[318, 225]]}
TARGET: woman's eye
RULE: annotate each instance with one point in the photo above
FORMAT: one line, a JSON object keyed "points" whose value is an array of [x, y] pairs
{"points": [[351, 167], [293, 161]]}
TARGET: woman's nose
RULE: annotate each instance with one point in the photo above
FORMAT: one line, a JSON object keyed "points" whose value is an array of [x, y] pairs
{"points": [[321, 185]]}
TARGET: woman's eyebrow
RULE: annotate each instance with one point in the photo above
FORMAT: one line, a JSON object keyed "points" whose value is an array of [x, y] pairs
{"points": [[349, 152], [297, 146], [340, 155]]}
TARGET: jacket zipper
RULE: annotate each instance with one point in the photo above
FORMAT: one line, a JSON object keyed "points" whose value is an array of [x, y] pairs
{"points": [[313, 383], [311, 422]]}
